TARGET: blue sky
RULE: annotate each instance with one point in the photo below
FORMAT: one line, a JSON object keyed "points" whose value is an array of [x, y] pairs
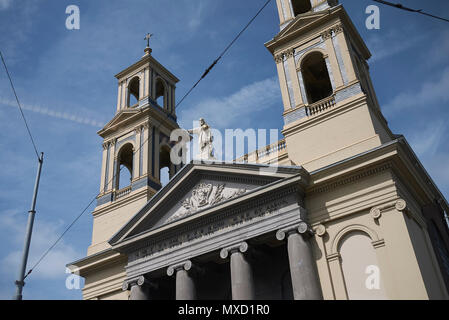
{"points": [[65, 80]]}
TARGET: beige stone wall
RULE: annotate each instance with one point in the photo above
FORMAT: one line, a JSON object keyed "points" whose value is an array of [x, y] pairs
{"points": [[348, 131], [108, 219], [408, 268], [106, 282]]}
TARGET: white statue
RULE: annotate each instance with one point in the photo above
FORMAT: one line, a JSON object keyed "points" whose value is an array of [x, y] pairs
{"points": [[205, 139]]}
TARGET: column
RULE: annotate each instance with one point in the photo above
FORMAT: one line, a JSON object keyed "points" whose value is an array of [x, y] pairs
{"points": [[124, 95], [283, 81], [146, 140], [347, 61], [136, 154], [156, 154], [141, 85], [111, 168], [147, 83], [338, 79], [185, 284], [119, 97], [305, 281], [242, 283], [103, 167], [294, 77], [139, 290]]}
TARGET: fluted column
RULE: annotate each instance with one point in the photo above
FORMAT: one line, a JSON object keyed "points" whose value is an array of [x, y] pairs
{"points": [[242, 283], [139, 290], [305, 281], [185, 284]]}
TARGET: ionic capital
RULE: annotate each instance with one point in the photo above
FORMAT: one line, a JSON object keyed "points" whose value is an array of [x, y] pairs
{"points": [[185, 265], [241, 247], [320, 230], [376, 212], [302, 228], [401, 205], [140, 281]]}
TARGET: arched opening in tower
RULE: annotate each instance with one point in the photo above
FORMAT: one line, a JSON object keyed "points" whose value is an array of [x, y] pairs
{"points": [[301, 6], [316, 77], [125, 166], [164, 160], [160, 93], [133, 92]]}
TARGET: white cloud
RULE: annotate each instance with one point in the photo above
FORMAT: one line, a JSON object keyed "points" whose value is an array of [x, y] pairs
{"points": [[238, 108], [4, 4], [430, 92], [426, 142], [54, 114], [12, 224], [391, 43], [196, 17]]}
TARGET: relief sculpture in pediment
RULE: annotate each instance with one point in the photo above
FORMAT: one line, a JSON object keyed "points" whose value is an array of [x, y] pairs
{"points": [[205, 195]]}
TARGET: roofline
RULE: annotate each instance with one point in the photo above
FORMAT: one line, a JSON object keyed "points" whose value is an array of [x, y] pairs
{"points": [[188, 167], [143, 60], [199, 214], [400, 140], [339, 9]]}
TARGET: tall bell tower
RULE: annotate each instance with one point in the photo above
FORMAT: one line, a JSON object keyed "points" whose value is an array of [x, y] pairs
{"points": [[136, 146], [330, 108]]}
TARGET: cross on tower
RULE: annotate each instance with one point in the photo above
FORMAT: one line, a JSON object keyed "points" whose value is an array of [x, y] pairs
{"points": [[148, 49], [147, 37]]}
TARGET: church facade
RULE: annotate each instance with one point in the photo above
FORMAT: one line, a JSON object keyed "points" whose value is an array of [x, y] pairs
{"points": [[341, 208]]}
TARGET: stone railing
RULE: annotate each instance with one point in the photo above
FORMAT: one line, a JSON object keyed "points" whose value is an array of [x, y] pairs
{"points": [[320, 106], [264, 152], [122, 192]]}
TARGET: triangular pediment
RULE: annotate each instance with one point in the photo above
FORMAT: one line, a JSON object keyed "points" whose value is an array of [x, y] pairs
{"points": [[299, 22], [199, 188], [119, 118]]}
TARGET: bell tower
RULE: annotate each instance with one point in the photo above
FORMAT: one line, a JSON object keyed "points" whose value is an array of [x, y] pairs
{"points": [[330, 108], [136, 146]]}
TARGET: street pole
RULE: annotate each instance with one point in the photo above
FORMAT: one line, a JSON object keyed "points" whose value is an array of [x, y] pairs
{"points": [[20, 283]]}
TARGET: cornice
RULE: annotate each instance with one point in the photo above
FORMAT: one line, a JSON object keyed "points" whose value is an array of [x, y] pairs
{"points": [[286, 36], [148, 59], [349, 179], [250, 200]]}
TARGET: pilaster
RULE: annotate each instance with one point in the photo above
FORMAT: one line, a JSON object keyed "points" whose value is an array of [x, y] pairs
{"points": [[283, 81]]}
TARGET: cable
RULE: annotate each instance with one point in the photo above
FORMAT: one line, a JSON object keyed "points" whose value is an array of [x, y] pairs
{"points": [[77, 218], [223, 53], [400, 6], [142, 144], [20, 107]]}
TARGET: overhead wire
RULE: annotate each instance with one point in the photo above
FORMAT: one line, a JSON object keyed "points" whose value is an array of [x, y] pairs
{"points": [[20, 107], [400, 6], [145, 141]]}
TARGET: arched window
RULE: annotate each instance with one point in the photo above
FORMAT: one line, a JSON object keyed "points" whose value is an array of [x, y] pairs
{"points": [[160, 92], [316, 77], [125, 165], [164, 165], [301, 6], [133, 92]]}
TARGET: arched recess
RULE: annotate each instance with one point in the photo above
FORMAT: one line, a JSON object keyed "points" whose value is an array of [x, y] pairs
{"points": [[161, 93], [301, 6], [125, 163], [359, 263], [316, 76], [133, 92]]}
